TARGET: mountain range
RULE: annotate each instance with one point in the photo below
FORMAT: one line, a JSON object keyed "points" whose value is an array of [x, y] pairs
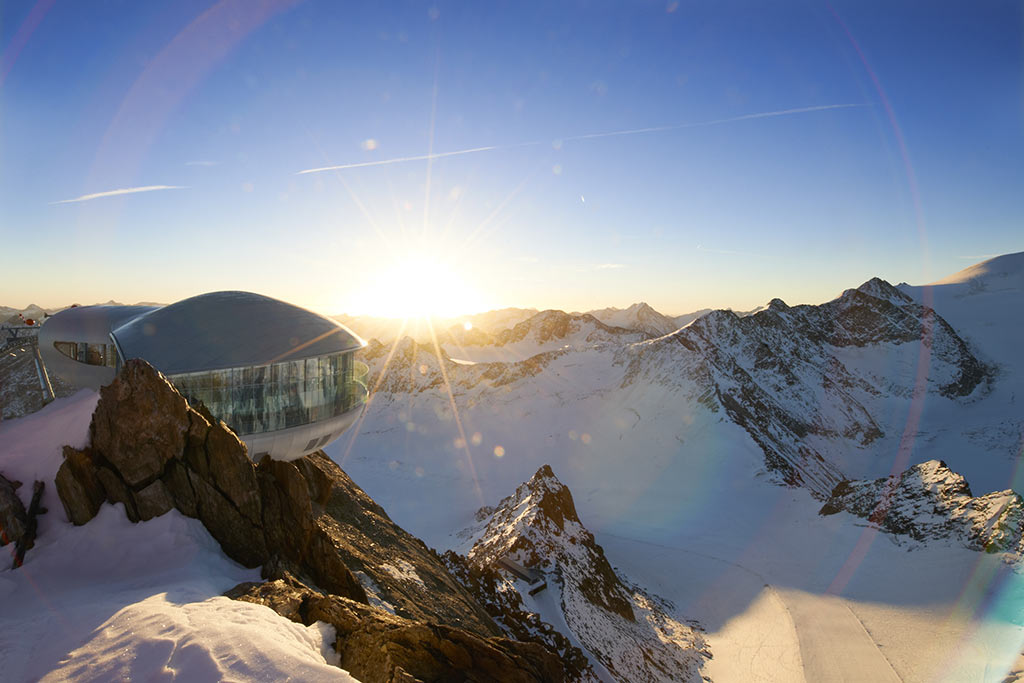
{"points": [[780, 494]]}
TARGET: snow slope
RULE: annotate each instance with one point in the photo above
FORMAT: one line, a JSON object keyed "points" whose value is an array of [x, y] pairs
{"points": [[113, 600], [678, 492], [984, 303]]}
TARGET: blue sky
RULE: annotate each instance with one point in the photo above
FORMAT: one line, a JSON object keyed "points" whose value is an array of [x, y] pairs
{"points": [[229, 101]]}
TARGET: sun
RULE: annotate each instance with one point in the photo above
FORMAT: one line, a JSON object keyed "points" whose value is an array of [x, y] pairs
{"points": [[419, 285]]}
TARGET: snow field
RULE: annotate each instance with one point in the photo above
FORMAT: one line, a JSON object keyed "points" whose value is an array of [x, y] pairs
{"points": [[116, 600]]}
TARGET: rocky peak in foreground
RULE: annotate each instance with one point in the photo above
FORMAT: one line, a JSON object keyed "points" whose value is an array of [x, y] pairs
{"points": [[930, 502], [377, 647], [631, 634], [330, 550]]}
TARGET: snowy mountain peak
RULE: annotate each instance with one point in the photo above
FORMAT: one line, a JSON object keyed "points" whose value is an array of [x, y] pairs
{"points": [[553, 325], [627, 631], [777, 305], [929, 501], [640, 317], [880, 289], [524, 527]]}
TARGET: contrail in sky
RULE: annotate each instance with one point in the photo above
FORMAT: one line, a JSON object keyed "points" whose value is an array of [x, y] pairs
{"points": [[114, 193], [421, 157], [715, 122], [589, 136]]}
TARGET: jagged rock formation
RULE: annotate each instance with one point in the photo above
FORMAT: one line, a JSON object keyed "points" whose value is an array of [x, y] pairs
{"points": [[929, 502], [399, 573], [152, 451], [499, 596], [377, 647], [786, 375], [627, 631], [13, 518]]}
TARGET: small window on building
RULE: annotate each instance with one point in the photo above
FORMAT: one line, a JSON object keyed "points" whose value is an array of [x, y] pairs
{"points": [[90, 354], [69, 349]]}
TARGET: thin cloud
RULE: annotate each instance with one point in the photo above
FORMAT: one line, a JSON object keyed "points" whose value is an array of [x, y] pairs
{"points": [[610, 266], [115, 193], [557, 144]]}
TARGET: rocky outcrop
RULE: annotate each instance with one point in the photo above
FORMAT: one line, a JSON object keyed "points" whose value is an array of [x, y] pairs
{"points": [[532, 527], [152, 451], [930, 502], [499, 597], [13, 518], [399, 573], [377, 647], [303, 518], [628, 631]]}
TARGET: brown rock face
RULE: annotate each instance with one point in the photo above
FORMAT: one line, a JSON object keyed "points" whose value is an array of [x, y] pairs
{"points": [[303, 519], [401, 570], [377, 647], [153, 452], [80, 487], [13, 518], [140, 428]]}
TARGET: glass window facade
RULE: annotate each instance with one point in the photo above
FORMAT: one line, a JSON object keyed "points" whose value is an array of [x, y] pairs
{"points": [[90, 354], [266, 398]]}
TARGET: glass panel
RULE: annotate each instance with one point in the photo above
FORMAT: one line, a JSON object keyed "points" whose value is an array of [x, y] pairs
{"points": [[69, 349], [288, 394]]}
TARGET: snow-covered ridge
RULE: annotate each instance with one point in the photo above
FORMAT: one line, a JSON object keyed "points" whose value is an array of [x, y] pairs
{"points": [[806, 382], [803, 377], [1001, 272], [625, 630], [930, 502], [639, 317]]}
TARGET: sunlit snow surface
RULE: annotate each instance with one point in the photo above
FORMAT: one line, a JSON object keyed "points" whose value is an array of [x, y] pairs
{"points": [[678, 496], [113, 600], [675, 493]]}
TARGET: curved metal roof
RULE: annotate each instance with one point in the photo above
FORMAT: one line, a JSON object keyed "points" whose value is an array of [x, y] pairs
{"points": [[88, 323], [230, 329]]}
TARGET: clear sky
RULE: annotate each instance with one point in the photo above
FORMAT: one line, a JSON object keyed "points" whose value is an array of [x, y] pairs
{"points": [[717, 198]]}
